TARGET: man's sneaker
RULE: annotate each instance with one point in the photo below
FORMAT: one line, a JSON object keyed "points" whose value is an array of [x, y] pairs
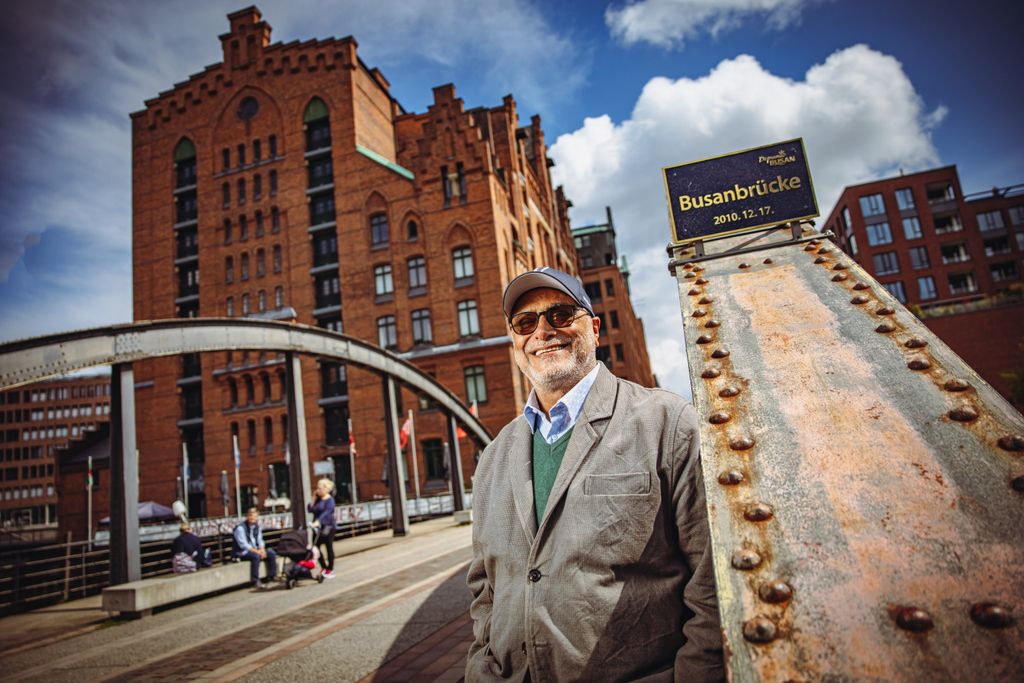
{"points": [[328, 574]]}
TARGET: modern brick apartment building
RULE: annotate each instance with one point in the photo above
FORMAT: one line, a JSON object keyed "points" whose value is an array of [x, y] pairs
{"points": [[36, 422], [956, 260], [287, 183], [623, 347]]}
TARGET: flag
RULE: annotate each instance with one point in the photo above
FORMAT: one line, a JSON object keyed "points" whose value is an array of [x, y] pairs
{"points": [[238, 456], [475, 411], [403, 435], [88, 476], [351, 443]]}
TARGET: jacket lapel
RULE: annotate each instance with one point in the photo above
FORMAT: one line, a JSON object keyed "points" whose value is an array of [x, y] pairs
{"points": [[589, 429], [521, 476]]}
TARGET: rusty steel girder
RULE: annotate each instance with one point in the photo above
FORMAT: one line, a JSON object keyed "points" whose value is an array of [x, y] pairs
{"points": [[865, 486]]}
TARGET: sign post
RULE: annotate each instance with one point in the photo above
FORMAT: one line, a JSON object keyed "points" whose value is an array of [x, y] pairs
{"points": [[744, 191]]}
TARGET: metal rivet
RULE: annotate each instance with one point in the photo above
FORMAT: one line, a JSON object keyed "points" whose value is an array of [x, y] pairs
{"points": [[839, 266], [741, 443], [956, 385], [839, 277], [860, 286], [729, 392], [730, 477], [699, 313], [694, 292], [885, 310], [712, 323], [711, 373], [690, 275], [744, 266], [885, 328], [758, 512], [746, 558], [809, 247], [767, 262], [698, 269], [919, 364], [1012, 442], [705, 300], [963, 414], [815, 243], [719, 353], [1017, 483], [821, 259], [688, 266], [775, 592], [701, 281], [914, 619], [760, 630], [705, 339], [858, 300], [718, 418], [824, 250], [916, 343], [991, 615]]}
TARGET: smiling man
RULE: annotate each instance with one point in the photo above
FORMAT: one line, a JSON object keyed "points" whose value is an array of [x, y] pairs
{"points": [[591, 555]]}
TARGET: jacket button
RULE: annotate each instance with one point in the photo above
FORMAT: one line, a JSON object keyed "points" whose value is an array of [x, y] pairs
{"points": [[534, 575]]}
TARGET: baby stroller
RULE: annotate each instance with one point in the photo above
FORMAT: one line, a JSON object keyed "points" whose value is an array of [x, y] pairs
{"points": [[302, 557]]}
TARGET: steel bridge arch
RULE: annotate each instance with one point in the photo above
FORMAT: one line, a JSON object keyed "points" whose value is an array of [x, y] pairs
{"points": [[30, 360]]}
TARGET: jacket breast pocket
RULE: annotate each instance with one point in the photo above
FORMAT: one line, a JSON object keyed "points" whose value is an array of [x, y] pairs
{"points": [[625, 484]]}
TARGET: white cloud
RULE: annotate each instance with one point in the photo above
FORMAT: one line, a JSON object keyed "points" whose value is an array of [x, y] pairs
{"points": [[670, 23], [858, 113]]}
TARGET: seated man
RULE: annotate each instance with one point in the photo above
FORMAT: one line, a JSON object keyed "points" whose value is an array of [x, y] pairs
{"points": [[187, 552], [248, 545]]}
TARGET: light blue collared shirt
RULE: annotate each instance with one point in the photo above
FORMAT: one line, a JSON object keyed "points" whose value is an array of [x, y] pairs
{"points": [[564, 413]]}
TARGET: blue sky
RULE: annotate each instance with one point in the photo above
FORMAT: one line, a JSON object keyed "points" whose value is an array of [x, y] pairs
{"points": [[623, 89]]}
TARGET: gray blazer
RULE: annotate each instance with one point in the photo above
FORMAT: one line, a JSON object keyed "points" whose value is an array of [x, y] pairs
{"points": [[616, 582]]}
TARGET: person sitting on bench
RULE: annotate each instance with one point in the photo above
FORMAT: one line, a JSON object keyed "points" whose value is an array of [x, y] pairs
{"points": [[249, 545]]}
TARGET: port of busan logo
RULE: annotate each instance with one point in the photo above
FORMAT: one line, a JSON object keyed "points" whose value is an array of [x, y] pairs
{"points": [[780, 158]]}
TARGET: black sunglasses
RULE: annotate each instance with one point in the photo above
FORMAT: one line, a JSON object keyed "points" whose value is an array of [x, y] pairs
{"points": [[559, 315]]}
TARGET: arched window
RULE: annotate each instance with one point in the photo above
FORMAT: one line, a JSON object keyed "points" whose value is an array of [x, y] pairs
{"points": [[229, 269], [250, 390], [185, 163], [317, 125], [378, 229], [277, 258], [412, 231], [265, 381], [279, 297], [250, 428], [282, 384], [233, 394], [268, 434], [462, 263], [245, 267], [261, 300]]}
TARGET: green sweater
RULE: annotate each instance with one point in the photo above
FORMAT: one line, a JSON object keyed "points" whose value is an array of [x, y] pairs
{"points": [[547, 458]]}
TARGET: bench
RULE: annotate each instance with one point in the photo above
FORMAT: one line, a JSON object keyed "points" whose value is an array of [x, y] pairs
{"points": [[139, 598]]}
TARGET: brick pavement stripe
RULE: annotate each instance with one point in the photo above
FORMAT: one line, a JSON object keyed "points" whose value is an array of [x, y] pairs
{"points": [[294, 625]]}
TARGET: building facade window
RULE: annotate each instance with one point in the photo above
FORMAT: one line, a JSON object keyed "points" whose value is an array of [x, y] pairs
{"points": [[275, 220], [259, 224], [615, 320], [905, 199], [245, 304], [879, 233], [469, 324], [1003, 271], [261, 262], [245, 267], [387, 332], [257, 150], [990, 220], [230, 307], [227, 231], [433, 459], [257, 187], [261, 300], [382, 281], [886, 263], [273, 183], [412, 231], [919, 259], [229, 270], [225, 193], [417, 267], [1016, 215], [896, 289], [462, 263], [241, 154], [609, 288], [243, 228], [378, 229], [954, 253], [872, 205], [421, 330], [912, 228], [272, 145], [277, 258], [947, 224], [278, 297], [241, 191], [593, 290], [962, 283], [225, 158], [476, 384], [926, 288]]}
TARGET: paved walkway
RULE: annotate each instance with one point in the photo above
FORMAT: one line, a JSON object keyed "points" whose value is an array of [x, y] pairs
{"points": [[396, 612]]}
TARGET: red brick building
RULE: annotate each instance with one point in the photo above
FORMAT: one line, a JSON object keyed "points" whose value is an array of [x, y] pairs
{"points": [[956, 260], [623, 345], [36, 422], [291, 180]]}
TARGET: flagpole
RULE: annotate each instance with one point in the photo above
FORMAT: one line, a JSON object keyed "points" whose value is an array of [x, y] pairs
{"points": [[238, 464], [88, 490], [415, 464], [353, 494], [184, 474]]}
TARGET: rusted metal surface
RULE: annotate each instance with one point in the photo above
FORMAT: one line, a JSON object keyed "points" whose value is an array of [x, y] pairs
{"points": [[863, 483]]}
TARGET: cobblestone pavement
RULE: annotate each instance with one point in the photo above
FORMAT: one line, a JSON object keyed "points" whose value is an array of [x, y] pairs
{"points": [[395, 612]]}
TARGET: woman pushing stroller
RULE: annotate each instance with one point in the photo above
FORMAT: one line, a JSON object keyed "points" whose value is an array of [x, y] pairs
{"points": [[323, 520]]}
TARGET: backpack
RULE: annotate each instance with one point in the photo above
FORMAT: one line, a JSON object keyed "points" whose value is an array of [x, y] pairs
{"points": [[182, 563]]}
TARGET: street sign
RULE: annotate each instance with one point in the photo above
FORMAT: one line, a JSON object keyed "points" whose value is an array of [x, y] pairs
{"points": [[740, 192]]}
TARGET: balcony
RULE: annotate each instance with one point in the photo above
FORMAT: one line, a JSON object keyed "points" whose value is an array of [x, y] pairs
{"points": [[948, 224]]}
